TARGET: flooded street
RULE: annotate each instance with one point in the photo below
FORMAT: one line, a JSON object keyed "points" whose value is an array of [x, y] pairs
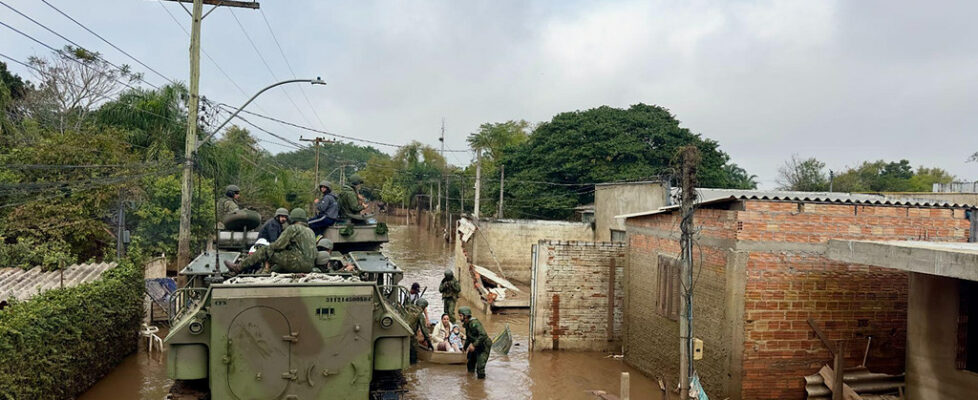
{"points": [[519, 375]]}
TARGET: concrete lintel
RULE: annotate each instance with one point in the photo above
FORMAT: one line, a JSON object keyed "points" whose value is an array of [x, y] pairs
{"points": [[908, 256]]}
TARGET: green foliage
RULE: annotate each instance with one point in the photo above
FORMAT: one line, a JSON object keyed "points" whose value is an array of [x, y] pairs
{"points": [[27, 253], [894, 176], [59, 343], [331, 157], [806, 175], [157, 216], [603, 144], [411, 171]]}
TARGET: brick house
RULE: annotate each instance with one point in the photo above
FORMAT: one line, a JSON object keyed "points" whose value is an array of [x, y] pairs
{"points": [[760, 272]]}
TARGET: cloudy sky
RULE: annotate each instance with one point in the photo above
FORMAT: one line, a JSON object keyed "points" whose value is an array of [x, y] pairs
{"points": [[844, 81]]}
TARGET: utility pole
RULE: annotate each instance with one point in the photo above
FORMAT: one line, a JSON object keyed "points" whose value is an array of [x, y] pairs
{"points": [[689, 160], [317, 141], [831, 179], [190, 144], [502, 179], [478, 182]]}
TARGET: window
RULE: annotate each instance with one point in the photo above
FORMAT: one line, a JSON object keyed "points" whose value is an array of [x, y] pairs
{"points": [[667, 288], [967, 349], [618, 236]]}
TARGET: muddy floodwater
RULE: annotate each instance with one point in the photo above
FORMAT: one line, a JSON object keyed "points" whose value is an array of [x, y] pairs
{"points": [[519, 375]]}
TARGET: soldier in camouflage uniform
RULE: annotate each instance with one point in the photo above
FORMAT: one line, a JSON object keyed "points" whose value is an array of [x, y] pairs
{"points": [[416, 318], [349, 200], [477, 343], [450, 289], [228, 204], [293, 252]]}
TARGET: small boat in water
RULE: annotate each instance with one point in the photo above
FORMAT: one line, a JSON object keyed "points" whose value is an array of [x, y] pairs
{"points": [[441, 357]]}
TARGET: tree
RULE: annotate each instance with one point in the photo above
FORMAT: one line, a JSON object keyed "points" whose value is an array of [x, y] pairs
{"points": [[806, 175], [894, 176], [553, 171], [71, 84]]}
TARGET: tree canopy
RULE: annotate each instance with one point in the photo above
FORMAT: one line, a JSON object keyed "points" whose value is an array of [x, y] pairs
{"points": [[869, 176], [554, 169]]}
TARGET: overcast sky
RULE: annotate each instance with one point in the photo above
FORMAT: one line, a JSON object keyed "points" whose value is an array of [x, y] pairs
{"points": [[844, 81]]}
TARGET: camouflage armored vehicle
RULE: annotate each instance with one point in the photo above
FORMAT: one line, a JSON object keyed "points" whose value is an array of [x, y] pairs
{"points": [[336, 335]]}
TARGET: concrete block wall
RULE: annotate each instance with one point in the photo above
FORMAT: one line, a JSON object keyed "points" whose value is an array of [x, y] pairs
{"points": [[511, 241], [576, 285], [765, 267]]}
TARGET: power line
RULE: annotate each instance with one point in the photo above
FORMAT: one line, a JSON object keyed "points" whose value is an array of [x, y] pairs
{"points": [[108, 42], [288, 64], [269, 68]]}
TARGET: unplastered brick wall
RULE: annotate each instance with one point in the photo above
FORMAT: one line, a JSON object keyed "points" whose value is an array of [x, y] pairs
{"points": [[510, 242], [764, 266], [579, 295]]}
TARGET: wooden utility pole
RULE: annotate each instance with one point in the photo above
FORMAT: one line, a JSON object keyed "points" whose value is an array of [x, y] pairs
{"points": [[478, 182], [502, 181], [190, 144], [316, 141], [689, 161]]}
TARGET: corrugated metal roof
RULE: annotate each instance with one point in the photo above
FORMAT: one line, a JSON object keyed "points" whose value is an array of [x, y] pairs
{"points": [[715, 196], [24, 284]]}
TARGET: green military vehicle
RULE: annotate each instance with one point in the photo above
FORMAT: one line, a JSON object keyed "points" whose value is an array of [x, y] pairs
{"points": [[331, 334]]}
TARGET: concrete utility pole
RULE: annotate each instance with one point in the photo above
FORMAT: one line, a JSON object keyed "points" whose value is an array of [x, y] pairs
{"points": [[317, 141], [478, 182], [502, 181], [448, 208], [689, 159], [190, 145]]}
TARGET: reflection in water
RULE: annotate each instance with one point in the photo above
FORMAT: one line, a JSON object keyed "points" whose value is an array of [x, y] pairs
{"points": [[519, 375]]}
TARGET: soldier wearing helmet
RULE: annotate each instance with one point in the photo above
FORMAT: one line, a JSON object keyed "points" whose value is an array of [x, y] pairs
{"points": [[228, 203], [450, 288], [417, 313], [349, 200], [273, 228], [477, 343], [327, 209], [293, 252]]}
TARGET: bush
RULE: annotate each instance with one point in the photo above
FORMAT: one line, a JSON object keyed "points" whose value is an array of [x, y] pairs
{"points": [[58, 344]]}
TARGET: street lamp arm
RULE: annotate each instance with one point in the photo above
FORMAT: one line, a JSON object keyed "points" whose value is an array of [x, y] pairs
{"points": [[317, 81]]}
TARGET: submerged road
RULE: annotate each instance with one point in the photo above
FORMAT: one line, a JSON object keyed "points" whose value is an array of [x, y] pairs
{"points": [[519, 375]]}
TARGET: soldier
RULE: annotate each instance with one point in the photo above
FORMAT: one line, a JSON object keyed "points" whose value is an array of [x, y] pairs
{"points": [[327, 209], [293, 252], [228, 204], [477, 343], [273, 228], [416, 313], [349, 200], [450, 289]]}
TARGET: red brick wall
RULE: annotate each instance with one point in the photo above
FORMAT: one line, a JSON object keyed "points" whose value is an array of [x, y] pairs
{"points": [[787, 286], [788, 280]]}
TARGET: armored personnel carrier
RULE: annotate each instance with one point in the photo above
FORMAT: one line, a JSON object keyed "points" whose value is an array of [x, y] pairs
{"points": [[336, 335]]}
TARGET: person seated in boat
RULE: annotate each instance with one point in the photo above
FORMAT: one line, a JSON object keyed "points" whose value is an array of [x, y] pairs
{"points": [[440, 333], [456, 338]]}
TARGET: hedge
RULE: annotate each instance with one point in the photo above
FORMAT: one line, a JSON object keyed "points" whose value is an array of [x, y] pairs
{"points": [[59, 343]]}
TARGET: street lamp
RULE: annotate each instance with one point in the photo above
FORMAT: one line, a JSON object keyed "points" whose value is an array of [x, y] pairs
{"points": [[317, 81]]}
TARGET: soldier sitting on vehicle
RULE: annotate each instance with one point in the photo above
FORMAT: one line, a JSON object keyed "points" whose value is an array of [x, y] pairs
{"points": [[325, 261], [351, 207], [327, 209], [228, 204], [293, 252], [273, 228]]}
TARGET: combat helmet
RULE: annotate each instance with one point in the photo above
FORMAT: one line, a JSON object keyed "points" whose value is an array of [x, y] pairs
{"points": [[449, 273], [298, 215], [231, 190], [281, 212], [355, 180], [324, 244], [422, 303], [326, 183], [465, 310]]}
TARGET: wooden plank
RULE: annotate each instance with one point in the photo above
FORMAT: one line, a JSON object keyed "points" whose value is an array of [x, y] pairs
{"points": [[821, 336], [828, 375]]}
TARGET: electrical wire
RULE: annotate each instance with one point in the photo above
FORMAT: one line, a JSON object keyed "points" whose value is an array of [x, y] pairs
{"points": [[289, 65], [108, 42], [269, 68]]}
